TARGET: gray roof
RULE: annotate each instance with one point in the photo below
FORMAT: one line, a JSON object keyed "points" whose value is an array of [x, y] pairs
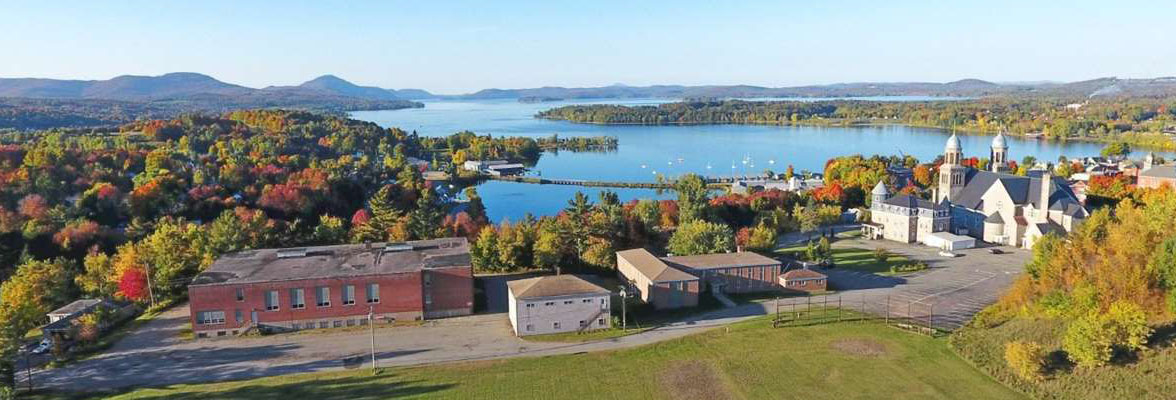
{"points": [[1160, 171], [999, 141], [654, 268], [721, 260], [908, 201], [1023, 190], [995, 218], [1050, 227], [953, 143], [552, 286], [266, 265], [78, 306]]}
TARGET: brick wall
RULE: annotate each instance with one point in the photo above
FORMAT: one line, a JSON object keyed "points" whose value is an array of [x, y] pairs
{"points": [[450, 292]]}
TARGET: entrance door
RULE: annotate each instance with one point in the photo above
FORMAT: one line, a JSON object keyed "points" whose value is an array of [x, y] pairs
{"points": [[253, 318]]}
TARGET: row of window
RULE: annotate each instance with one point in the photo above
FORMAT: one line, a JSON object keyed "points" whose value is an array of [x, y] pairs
{"points": [[556, 325], [322, 295], [565, 302]]}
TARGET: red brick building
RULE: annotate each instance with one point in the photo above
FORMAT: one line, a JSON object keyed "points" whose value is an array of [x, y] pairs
{"points": [[804, 280], [332, 286]]}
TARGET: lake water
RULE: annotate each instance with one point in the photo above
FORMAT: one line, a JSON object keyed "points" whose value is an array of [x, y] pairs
{"points": [[644, 151]]}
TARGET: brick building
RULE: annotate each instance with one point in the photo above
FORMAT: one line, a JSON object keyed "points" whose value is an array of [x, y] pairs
{"points": [[676, 281], [804, 280], [332, 286]]}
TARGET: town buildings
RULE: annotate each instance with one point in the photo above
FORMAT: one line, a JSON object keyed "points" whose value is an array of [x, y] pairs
{"points": [[557, 304], [676, 281], [332, 286], [992, 206], [1153, 176]]}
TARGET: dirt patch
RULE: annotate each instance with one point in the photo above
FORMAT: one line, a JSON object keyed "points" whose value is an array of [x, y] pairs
{"points": [[860, 347], [692, 380]]}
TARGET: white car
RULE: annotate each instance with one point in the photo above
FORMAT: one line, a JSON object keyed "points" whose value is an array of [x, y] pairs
{"points": [[948, 254], [42, 347]]}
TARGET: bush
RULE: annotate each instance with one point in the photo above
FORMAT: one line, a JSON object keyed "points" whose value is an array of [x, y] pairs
{"points": [[881, 255], [1091, 340], [1026, 359], [908, 267]]}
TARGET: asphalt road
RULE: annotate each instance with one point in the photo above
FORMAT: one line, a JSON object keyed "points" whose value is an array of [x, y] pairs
{"points": [[155, 355]]}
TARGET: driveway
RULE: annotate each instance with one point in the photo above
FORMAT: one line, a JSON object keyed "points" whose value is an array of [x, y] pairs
{"points": [[154, 355]]}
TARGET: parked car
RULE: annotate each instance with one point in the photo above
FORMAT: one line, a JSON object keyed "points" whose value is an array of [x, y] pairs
{"points": [[995, 251], [44, 346], [948, 254]]}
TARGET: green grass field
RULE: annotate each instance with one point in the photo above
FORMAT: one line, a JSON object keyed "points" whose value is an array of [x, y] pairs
{"points": [[1151, 374], [857, 259], [750, 360]]}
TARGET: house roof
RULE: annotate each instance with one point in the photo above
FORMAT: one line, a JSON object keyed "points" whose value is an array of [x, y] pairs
{"points": [[802, 273], [1048, 227], [654, 268], [266, 265], [1160, 171], [1021, 189], [77, 306], [721, 260], [551, 286]]}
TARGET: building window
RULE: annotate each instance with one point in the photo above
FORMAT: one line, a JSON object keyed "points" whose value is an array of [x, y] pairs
{"points": [[351, 322], [555, 325], [583, 323], [271, 300], [323, 325], [600, 322], [297, 299], [338, 324], [566, 302], [530, 327], [586, 301], [295, 326], [428, 280], [210, 317], [239, 316], [373, 293], [530, 305], [550, 303], [348, 295], [240, 294], [428, 298], [322, 296]]}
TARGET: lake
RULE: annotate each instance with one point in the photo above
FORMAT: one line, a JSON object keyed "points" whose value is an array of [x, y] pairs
{"points": [[644, 151]]}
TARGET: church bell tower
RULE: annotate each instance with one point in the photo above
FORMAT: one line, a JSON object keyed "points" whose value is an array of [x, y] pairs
{"points": [[951, 173]]}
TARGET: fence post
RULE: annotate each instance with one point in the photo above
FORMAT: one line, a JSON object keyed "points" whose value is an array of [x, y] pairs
{"points": [[930, 312], [824, 307], [887, 309], [839, 308], [863, 310], [909, 317]]}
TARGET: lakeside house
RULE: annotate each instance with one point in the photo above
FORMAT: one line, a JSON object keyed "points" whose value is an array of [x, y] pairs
{"points": [[332, 286], [494, 167], [557, 304]]}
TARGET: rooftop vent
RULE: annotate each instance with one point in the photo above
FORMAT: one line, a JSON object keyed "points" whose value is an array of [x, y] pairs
{"points": [[291, 253], [397, 247]]}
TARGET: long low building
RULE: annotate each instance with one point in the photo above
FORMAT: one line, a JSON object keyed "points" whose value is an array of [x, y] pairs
{"points": [[332, 286], [673, 282]]}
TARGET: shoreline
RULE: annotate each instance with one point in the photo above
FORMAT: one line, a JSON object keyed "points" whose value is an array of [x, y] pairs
{"points": [[1171, 146]]}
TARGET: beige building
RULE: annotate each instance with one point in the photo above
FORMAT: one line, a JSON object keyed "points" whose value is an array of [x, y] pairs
{"points": [[557, 304], [655, 282], [905, 218], [992, 206]]}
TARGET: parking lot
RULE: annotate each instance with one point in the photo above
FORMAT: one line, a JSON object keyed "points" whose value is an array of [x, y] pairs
{"points": [[953, 289]]}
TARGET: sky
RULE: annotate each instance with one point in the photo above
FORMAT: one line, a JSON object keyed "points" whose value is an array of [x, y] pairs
{"points": [[455, 46]]}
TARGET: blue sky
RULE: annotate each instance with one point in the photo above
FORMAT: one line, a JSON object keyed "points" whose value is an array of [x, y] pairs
{"points": [[461, 46]]}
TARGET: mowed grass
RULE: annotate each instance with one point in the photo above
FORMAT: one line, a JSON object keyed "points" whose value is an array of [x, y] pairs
{"points": [[857, 259], [748, 360], [1150, 374]]}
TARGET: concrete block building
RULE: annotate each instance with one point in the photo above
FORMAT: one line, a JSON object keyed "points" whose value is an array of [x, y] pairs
{"points": [[557, 304], [332, 286]]}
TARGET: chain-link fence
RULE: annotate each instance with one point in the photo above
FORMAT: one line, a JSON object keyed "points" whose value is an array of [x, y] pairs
{"points": [[912, 316]]}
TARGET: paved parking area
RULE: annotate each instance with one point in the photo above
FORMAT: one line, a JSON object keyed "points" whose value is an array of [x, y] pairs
{"points": [[951, 289]]}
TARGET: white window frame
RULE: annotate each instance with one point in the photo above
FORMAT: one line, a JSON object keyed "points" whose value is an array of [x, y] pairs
{"points": [[273, 300], [373, 296], [295, 304], [322, 296], [348, 295]]}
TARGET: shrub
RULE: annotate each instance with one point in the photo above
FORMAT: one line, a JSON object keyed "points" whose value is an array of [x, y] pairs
{"points": [[1088, 341], [1026, 359], [881, 255], [1128, 325], [908, 267]]}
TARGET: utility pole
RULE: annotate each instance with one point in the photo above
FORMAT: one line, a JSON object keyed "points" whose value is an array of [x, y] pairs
{"points": [[150, 291], [372, 326]]}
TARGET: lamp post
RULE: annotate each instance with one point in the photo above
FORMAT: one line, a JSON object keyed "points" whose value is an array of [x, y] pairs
{"points": [[372, 326], [624, 322]]}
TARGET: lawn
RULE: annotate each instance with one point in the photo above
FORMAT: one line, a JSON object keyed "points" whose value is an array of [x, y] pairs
{"points": [[1149, 375], [590, 336], [750, 360], [857, 259]]}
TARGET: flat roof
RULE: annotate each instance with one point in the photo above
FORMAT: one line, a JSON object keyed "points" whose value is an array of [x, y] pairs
{"points": [[722, 260], [552, 286], [337, 261]]}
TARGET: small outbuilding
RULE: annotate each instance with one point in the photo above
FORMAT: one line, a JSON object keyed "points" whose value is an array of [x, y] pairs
{"points": [[557, 304], [804, 280], [949, 241]]}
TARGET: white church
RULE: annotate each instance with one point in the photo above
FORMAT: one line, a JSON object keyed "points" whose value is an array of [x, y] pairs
{"points": [[993, 206]]}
